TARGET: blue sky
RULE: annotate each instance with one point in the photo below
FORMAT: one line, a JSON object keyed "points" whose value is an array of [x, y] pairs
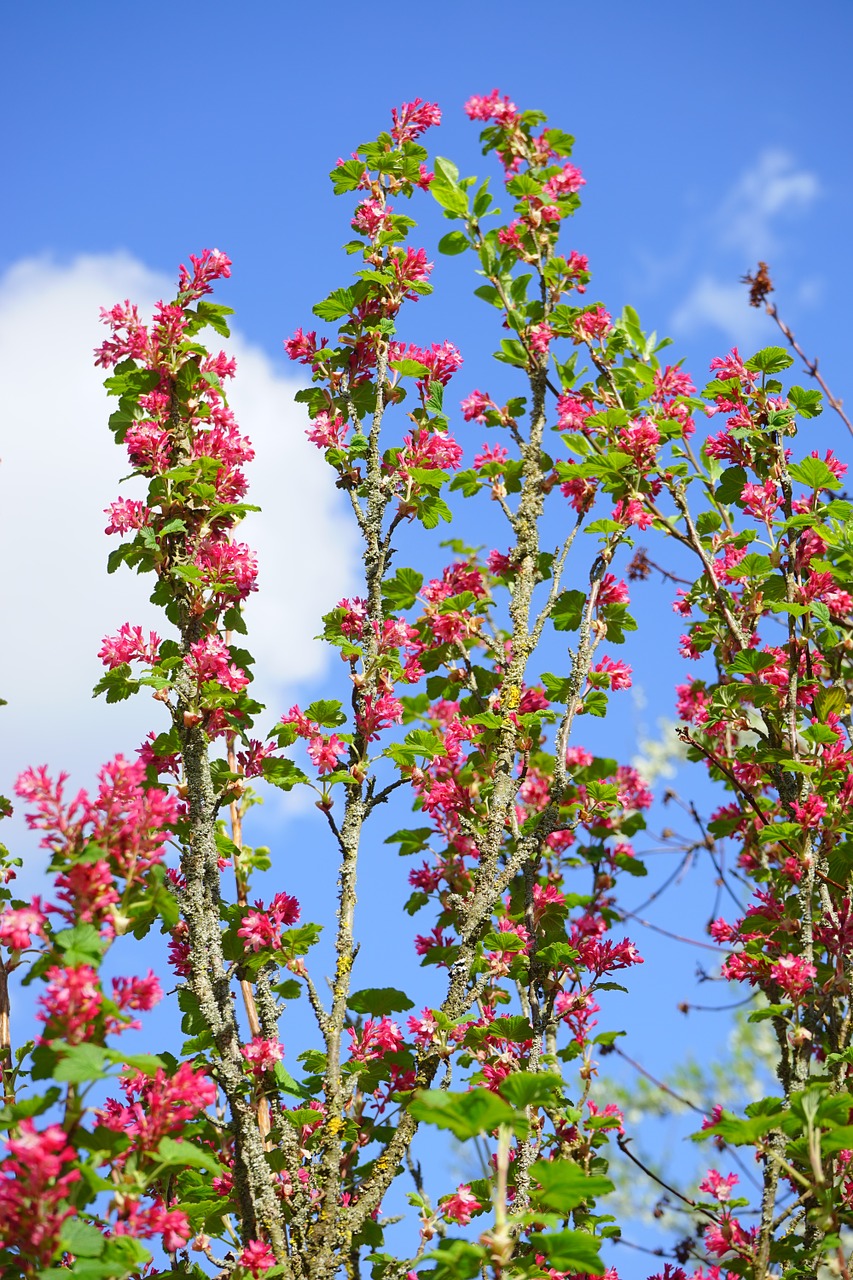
{"points": [[710, 136]]}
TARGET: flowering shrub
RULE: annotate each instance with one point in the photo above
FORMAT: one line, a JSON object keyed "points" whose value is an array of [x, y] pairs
{"points": [[523, 835]]}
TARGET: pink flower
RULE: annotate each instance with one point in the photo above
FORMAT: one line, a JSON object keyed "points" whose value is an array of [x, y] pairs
{"points": [[595, 323], [441, 360], [172, 1225], [304, 727], [423, 1028], [761, 500], [129, 645], [610, 1112], [412, 119], [375, 1040], [728, 1236], [326, 752], [126, 514], [539, 337], [261, 927], [71, 1003], [492, 107], [672, 382], [211, 265], [303, 346], [613, 675], [137, 993], [210, 659], [631, 511], [327, 432], [476, 406], [229, 570], [812, 812], [33, 1193], [461, 1206], [640, 439], [611, 591], [731, 366], [371, 217], [793, 974], [565, 183], [572, 413], [257, 1258], [490, 453], [822, 586], [158, 1105], [714, 1184], [19, 925], [580, 491], [378, 714], [262, 1055], [721, 931], [606, 957], [258, 930], [427, 451]]}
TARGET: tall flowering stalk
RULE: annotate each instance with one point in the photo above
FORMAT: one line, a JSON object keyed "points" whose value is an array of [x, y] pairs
{"points": [[523, 835]]}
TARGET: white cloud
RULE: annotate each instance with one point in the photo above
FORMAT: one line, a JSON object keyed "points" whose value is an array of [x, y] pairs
{"points": [[775, 188], [723, 306], [732, 238], [60, 469]]}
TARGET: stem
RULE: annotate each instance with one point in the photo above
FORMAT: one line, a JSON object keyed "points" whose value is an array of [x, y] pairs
{"points": [[6, 1039]]}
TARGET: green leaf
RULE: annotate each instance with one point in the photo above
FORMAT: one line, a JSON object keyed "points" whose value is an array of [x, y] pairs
{"points": [[731, 485], [769, 360], [595, 703], [283, 773], [326, 712], [453, 242], [568, 610], [286, 1083], [456, 1260], [184, 1155], [347, 176], [378, 1001], [446, 190], [28, 1107], [830, 701], [838, 1139], [80, 945], [741, 1133], [401, 591], [752, 565], [708, 522], [604, 526], [79, 1063], [432, 509], [466, 1114], [419, 744], [565, 1185], [572, 1251], [81, 1238], [558, 688], [808, 404], [814, 473], [339, 303], [148, 1063], [748, 662], [531, 1088]]}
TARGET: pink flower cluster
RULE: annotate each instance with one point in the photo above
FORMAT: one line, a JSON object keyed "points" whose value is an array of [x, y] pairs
{"points": [[35, 1180], [261, 927], [158, 1105]]}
